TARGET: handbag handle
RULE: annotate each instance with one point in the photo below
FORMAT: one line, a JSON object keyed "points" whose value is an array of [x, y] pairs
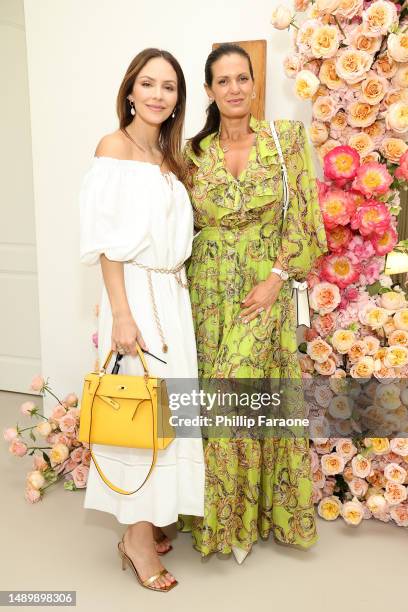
{"points": [[284, 170], [154, 430], [142, 359]]}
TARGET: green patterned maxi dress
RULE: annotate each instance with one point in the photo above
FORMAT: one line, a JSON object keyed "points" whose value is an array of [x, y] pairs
{"points": [[253, 487]]}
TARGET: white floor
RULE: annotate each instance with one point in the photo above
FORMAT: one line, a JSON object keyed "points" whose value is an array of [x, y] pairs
{"points": [[57, 545]]}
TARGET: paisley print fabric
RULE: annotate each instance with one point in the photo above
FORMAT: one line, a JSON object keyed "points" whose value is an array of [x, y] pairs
{"points": [[253, 487]]}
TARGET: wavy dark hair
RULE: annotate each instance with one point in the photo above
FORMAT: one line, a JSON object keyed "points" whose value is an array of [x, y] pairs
{"points": [[212, 123], [171, 130]]}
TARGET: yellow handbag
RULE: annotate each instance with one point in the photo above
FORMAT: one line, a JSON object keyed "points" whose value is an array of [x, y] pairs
{"points": [[123, 410]]}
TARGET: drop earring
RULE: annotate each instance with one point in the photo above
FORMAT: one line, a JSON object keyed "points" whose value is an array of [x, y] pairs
{"points": [[211, 100], [173, 114], [132, 110]]}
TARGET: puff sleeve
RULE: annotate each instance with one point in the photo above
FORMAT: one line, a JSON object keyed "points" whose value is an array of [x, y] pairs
{"points": [[112, 221], [303, 233]]}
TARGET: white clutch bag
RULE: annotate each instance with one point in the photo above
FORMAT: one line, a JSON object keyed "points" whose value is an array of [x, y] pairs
{"points": [[299, 289]]}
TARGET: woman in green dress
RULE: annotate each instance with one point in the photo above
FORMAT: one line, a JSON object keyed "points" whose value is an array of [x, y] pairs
{"points": [[243, 312]]}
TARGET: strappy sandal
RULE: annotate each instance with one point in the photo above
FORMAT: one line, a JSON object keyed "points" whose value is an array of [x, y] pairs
{"points": [[149, 581]]}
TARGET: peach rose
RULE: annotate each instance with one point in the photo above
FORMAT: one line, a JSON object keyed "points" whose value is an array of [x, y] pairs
{"points": [[398, 337], [39, 463], [38, 383], [32, 495], [401, 319], [395, 493], [325, 324], [319, 350], [67, 423], [17, 447], [35, 479], [395, 473], [362, 142], [80, 476], [364, 368], [358, 487], [373, 88], [352, 65], [372, 344], [347, 9], [361, 466], [361, 114], [397, 45], [281, 17], [377, 504], [393, 300], [399, 446], [341, 407], [326, 368], [396, 117], [318, 133], [393, 149], [332, 464], [400, 79], [357, 351], [400, 514], [343, 340], [379, 18], [352, 512], [379, 446], [328, 75], [71, 400], [324, 297], [396, 357], [43, 429], [306, 84]]}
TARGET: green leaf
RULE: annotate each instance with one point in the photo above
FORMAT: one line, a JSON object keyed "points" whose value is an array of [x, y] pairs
{"points": [[303, 347], [32, 436], [46, 458]]}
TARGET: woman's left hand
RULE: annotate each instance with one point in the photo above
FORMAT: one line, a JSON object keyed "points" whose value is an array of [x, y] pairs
{"points": [[261, 298]]}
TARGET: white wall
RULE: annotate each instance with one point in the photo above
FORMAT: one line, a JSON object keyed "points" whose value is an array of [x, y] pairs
{"points": [[78, 51]]}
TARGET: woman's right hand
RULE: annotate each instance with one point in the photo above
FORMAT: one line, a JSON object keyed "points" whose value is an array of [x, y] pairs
{"points": [[125, 333]]}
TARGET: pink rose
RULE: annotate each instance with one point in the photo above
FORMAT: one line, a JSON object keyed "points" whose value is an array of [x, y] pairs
{"points": [[324, 298], [9, 434], [86, 456], [67, 423], [58, 412], [38, 383], [400, 514], [76, 455], [26, 408], [18, 448], [372, 179], [80, 476], [39, 463], [325, 324], [71, 400], [32, 495]]}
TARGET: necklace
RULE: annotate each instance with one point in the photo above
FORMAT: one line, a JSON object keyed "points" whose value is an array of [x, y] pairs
{"points": [[139, 146]]}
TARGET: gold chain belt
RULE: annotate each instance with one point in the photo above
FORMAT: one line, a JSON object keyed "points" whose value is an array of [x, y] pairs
{"points": [[177, 274]]}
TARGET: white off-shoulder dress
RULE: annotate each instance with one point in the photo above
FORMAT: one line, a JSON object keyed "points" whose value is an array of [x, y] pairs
{"points": [[130, 211]]}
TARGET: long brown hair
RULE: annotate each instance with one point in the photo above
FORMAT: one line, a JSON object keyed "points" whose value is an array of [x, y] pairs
{"points": [[171, 130], [212, 123]]}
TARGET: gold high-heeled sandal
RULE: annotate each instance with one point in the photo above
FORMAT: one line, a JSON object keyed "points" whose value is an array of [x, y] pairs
{"points": [[164, 552], [149, 581]]}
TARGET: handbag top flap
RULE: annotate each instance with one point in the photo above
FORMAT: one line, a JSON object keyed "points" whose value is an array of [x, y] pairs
{"points": [[120, 385]]}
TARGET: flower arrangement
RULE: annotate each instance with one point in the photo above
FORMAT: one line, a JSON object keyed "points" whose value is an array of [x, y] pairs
{"points": [[63, 458], [350, 61]]}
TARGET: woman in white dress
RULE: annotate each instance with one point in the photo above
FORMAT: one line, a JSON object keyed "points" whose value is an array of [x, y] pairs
{"points": [[135, 214]]}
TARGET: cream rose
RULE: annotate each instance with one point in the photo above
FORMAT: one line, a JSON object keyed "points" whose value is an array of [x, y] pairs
{"points": [[396, 357], [377, 504], [399, 446], [325, 41], [396, 117], [281, 17], [358, 486], [379, 446], [318, 133], [395, 473], [362, 42], [375, 317], [400, 79], [356, 351], [328, 75], [35, 479], [306, 84], [324, 108], [329, 508], [395, 493], [348, 8], [373, 89], [327, 368], [352, 65], [319, 350], [352, 512], [379, 18], [332, 464], [292, 65], [346, 448], [398, 46], [398, 337], [389, 396], [361, 466], [59, 453], [44, 429], [326, 6], [401, 319], [343, 340], [364, 368], [372, 344], [393, 300], [341, 407]]}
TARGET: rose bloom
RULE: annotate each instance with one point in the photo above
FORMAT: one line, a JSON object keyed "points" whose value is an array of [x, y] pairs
{"points": [[339, 121], [352, 65], [357, 351], [323, 396], [401, 319], [393, 149], [323, 108], [326, 148], [59, 453], [325, 324], [373, 179], [400, 79], [395, 473], [399, 514], [373, 88], [26, 408], [325, 41], [318, 478], [39, 463], [9, 434], [292, 65], [361, 114], [399, 446], [388, 396], [38, 383], [393, 300], [319, 350], [43, 429], [358, 40], [332, 464], [326, 6], [323, 446], [67, 423], [384, 244], [341, 163], [328, 75], [379, 446], [306, 364], [398, 337], [32, 495], [377, 504], [281, 17], [336, 205], [362, 143], [343, 340], [402, 171], [361, 466], [379, 18], [316, 495], [348, 8], [80, 476], [306, 84], [17, 447], [352, 512], [346, 448], [341, 407], [358, 487], [372, 344], [35, 479], [324, 298], [396, 118], [327, 368], [396, 357], [329, 508], [318, 133], [397, 45], [374, 317], [338, 238], [395, 493], [363, 368]]}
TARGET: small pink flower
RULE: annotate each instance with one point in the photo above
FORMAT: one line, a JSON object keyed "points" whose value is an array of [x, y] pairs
{"points": [[26, 408], [38, 383], [80, 476], [32, 495], [18, 448], [372, 179], [10, 434], [371, 272], [361, 248]]}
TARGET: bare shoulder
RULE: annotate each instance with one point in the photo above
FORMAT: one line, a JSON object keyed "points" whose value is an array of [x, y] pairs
{"points": [[113, 145]]}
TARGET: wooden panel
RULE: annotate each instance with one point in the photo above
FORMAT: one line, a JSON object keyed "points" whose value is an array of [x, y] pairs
{"points": [[257, 52]]}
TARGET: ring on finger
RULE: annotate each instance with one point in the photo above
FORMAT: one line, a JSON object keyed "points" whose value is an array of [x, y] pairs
{"points": [[260, 309]]}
